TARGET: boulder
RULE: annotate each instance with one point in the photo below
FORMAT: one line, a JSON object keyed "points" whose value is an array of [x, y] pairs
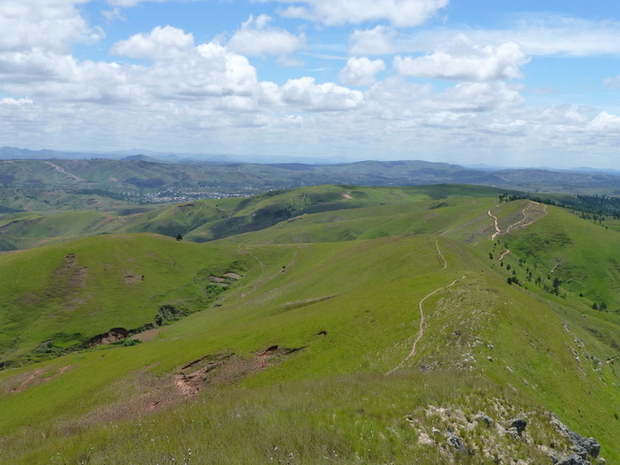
{"points": [[519, 424], [573, 459]]}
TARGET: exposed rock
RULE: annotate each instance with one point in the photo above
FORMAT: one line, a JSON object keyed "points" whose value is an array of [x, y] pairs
{"points": [[573, 459], [590, 445], [581, 446], [114, 335], [481, 417], [456, 442], [519, 424]]}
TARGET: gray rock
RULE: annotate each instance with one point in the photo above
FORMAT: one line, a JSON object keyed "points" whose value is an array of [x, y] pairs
{"points": [[519, 424], [573, 460], [590, 446], [581, 446], [481, 417], [455, 441]]}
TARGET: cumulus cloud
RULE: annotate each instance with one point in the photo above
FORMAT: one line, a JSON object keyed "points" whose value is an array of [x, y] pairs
{"points": [[208, 97], [361, 71], [463, 60], [256, 38], [304, 93], [605, 122], [45, 24], [162, 43], [480, 96], [376, 41], [400, 13]]}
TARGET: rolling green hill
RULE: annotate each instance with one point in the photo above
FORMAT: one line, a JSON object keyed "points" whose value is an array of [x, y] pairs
{"points": [[207, 220], [320, 325]]}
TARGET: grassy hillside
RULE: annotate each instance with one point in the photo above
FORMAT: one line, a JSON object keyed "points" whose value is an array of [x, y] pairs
{"points": [[367, 326], [207, 220], [71, 292]]}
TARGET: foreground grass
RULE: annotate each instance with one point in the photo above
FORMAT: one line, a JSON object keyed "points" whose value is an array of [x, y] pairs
{"points": [[355, 419]]}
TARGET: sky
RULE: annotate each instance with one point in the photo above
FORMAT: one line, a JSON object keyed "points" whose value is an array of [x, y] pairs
{"points": [[510, 83]]}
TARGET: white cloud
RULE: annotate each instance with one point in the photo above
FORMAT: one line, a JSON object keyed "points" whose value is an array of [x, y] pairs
{"points": [[400, 13], [304, 93], [45, 24], [376, 41], [113, 14], [537, 34], [162, 43], [480, 96], [463, 60], [612, 83], [208, 97], [131, 3], [361, 71], [16, 102], [255, 38], [605, 122], [547, 34]]}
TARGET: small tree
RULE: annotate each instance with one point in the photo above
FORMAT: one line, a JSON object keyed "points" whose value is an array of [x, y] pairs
{"points": [[179, 237]]}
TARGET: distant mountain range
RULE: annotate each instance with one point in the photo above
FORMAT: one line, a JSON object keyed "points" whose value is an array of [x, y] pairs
{"points": [[14, 153], [147, 172]]}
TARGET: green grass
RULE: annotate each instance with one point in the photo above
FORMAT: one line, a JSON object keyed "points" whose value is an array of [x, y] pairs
{"points": [[350, 309], [91, 285]]}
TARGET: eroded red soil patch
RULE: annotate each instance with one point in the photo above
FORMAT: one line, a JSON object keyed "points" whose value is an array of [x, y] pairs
{"points": [[36, 377]]}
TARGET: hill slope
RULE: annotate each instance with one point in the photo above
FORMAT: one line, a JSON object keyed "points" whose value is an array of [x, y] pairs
{"points": [[408, 343]]}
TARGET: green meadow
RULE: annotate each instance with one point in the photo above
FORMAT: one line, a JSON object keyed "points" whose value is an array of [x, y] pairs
{"points": [[332, 324]]}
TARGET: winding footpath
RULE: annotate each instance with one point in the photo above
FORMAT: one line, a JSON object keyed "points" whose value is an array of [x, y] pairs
{"points": [[520, 223], [420, 335]]}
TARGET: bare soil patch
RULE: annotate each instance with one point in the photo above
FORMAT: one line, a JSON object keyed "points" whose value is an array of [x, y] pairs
{"points": [[131, 277], [227, 368], [146, 336], [234, 276], [34, 378]]}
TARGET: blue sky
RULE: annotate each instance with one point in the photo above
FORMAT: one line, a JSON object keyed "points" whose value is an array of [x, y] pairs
{"points": [[504, 83]]}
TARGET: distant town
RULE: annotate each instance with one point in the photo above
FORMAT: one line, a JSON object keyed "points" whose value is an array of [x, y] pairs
{"points": [[180, 196]]}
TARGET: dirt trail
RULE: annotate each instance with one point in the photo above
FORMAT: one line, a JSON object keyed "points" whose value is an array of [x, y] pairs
{"points": [[262, 280], [503, 254], [521, 223], [62, 170], [498, 231], [422, 316], [445, 263]]}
